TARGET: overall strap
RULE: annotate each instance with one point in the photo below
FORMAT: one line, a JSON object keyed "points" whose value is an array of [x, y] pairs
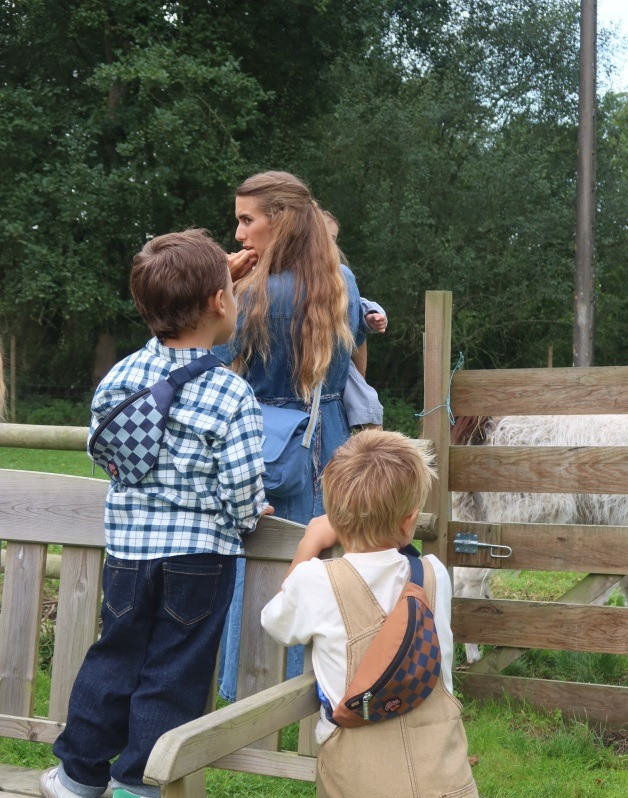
{"points": [[311, 427], [180, 376], [429, 583], [358, 606]]}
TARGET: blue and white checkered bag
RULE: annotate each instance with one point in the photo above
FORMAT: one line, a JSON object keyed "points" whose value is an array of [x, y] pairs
{"points": [[127, 442]]}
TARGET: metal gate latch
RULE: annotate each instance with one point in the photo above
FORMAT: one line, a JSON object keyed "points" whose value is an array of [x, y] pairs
{"points": [[467, 543]]}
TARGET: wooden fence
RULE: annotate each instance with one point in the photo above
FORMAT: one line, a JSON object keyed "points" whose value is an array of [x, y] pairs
{"points": [[600, 552], [569, 623]]}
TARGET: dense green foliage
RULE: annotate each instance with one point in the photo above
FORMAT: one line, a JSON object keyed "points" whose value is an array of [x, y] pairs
{"points": [[442, 133]]}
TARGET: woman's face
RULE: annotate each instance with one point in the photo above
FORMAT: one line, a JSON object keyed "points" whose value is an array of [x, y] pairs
{"points": [[253, 226]]}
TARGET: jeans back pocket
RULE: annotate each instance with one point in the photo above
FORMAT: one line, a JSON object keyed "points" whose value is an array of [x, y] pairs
{"points": [[119, 580], [190, 590]]}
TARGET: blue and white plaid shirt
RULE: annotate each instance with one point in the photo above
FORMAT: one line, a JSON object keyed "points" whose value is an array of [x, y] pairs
{"points": [[206, 487]]}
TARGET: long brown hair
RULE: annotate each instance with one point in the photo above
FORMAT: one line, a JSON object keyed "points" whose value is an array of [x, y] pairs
{"points": [[299, 243]]}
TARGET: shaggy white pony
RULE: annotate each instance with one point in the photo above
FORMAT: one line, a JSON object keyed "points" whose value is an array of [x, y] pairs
{"points": [[551, 508]]}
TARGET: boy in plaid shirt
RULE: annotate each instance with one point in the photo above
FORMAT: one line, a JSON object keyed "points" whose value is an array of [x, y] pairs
{"points": [[173, 538]]}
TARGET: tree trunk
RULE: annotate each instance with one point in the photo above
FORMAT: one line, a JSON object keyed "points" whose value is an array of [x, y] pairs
{"points": [[104, 356]]}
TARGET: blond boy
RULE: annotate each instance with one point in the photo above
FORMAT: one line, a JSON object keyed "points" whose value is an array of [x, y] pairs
{"points": [[373, 489]]}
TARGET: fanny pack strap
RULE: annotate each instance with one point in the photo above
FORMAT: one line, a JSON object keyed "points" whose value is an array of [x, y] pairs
{"points": [[163, 391], [421, 573], [180, 376], [311, 427], [416, 564]]}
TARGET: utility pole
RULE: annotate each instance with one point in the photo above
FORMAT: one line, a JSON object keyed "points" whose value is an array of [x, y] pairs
{"points": [[584, 293]]}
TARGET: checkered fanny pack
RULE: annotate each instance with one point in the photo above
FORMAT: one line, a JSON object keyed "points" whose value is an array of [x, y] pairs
{"points": [[126, 444], [401, 666]]}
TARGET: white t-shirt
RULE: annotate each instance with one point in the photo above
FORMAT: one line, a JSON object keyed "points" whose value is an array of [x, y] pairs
{"points": [[306, 609]]}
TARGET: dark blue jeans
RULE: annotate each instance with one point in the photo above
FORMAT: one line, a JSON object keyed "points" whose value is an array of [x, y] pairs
{"points": [[150, 671]]}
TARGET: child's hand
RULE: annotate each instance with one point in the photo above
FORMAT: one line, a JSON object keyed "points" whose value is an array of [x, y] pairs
{"points": [[241, 263], [268, 510], [320, 534], [376, 322]]}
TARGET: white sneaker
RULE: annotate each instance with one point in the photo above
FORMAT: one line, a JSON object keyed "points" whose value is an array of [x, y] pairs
{"points": [[50, 785], [47, 783]]}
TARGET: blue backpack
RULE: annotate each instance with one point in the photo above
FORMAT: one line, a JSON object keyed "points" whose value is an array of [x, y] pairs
{"points": [[288, 436], [126, 444]]}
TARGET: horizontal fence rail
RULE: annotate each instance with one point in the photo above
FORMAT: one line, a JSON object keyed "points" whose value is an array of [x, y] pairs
{"points": [[539, 469], [591, 703], [540, 624], [35, 436], [521, 392], [55, 508], [546, 547]]}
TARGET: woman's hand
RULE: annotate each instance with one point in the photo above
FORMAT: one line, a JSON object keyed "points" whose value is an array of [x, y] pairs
{"points": [[241, 263]]}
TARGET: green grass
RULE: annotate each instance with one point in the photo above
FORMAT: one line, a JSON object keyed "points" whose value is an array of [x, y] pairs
{"points": [[74, 463], [521, 752]]}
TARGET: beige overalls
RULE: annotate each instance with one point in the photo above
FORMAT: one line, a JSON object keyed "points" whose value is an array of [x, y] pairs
{"points": [[422, 754]]}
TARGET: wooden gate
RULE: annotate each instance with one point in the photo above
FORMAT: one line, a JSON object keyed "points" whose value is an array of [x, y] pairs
{"points": [[599, 552]]}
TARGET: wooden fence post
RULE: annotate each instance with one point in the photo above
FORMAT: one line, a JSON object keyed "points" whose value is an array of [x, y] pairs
{"points": [[436, 375]]}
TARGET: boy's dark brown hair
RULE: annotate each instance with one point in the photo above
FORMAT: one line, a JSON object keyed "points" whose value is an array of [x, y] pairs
{"points": [[173, 277]]}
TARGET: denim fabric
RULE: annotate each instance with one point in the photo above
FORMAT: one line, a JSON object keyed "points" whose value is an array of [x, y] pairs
{"points": [[152, 668], [272, 383]]}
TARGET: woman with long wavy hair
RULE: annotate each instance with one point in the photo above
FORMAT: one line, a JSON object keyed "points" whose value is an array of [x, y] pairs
{"points": [[299, 322]]}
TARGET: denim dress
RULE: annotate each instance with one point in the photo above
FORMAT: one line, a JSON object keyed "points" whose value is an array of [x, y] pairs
{"points": [[272, 384]]}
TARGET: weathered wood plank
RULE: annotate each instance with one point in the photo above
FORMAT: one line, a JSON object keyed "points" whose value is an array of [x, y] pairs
{"points": [[192, 786], [487, 533], [16, 780], [262, 660], [593, 703], [276, 539], [550, 547], [587, 591], [38, 436], [20, 620], [541, 624], [564, 391], [77, 622], [21, 781], [539, 469], [270, 763], [307, 745], [52, 508], [436, 376], [203, 741], [38, 730]]}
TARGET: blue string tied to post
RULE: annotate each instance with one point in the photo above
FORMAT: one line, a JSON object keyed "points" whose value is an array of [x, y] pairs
{"points": [[447, 402]]}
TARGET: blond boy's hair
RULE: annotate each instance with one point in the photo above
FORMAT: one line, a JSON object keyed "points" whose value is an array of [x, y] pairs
{"points": [[372, 483]]}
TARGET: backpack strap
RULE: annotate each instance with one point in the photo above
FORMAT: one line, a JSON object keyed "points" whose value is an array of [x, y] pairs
{"points": [[311, 427], [359, 608]]}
